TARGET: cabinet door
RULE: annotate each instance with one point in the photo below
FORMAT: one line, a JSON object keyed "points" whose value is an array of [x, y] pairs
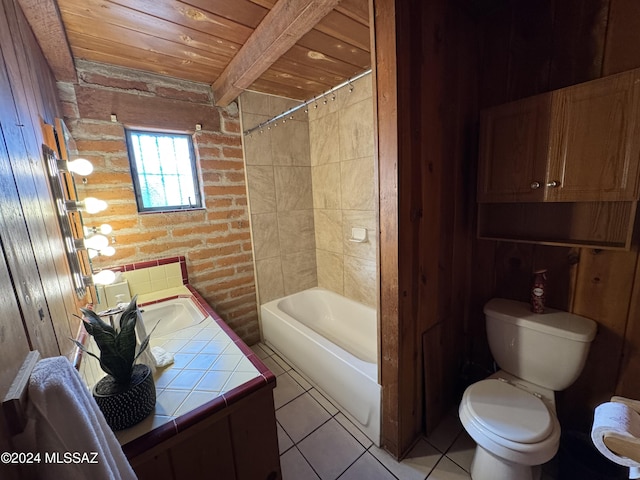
{"points": [[514, 150], [594, 141]]}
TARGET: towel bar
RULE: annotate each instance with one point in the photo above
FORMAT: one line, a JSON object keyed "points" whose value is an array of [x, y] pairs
{"points": [[15, 401], [621, 445]]}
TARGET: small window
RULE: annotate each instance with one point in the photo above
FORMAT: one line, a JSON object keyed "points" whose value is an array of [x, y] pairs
{"points": [[163, 168]]}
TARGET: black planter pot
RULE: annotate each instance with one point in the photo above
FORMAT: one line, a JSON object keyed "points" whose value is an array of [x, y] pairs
{"points": [[123, 407]]}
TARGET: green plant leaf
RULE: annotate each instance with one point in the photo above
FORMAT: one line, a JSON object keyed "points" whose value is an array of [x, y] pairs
{"points": [[95, 322], [117, 347], [84, 349], [130, 311]]}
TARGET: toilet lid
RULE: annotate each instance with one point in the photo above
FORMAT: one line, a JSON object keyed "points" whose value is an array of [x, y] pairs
{"points": [[509, 412]]}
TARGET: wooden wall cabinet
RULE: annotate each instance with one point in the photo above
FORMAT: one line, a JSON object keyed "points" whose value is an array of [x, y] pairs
{"points": [[514, 149], [595, 140], [576, 144], [562, 168]]}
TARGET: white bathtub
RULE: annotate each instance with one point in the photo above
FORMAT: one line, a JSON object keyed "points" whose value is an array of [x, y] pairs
{"points": [[331, 340]]}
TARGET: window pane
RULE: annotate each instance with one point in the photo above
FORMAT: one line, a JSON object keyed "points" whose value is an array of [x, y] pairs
{"points": [[163, 170]]}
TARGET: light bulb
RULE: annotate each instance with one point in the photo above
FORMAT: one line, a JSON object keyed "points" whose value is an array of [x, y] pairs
{"points": [[93, 205], [108, 251], [104, 277], [106, 229], [96, 242], [80, 166], [93, 253]]}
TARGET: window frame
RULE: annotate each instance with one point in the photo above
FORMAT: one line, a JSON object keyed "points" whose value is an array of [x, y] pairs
{"points": [[135, 177]]}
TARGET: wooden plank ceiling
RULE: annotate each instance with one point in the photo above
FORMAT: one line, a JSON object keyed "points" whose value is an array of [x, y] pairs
{"points": [[197, 39]]}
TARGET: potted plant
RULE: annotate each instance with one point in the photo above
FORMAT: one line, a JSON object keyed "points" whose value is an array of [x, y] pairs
{"points": [[127, 395]]}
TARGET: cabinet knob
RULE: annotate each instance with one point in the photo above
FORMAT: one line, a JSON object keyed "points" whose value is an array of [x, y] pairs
{"points": [[535, 185], [553, 184]]}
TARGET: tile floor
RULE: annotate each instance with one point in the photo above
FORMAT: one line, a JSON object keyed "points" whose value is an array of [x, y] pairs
{"points": [[318, 442]]}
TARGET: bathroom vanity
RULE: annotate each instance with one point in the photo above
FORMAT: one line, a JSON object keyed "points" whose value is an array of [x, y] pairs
{"points": [[214, 414]]}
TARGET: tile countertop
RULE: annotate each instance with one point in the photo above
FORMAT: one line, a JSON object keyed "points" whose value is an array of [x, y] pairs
{"points": [[213, 368]]}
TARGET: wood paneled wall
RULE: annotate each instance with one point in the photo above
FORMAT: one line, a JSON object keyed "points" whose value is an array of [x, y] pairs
{"points": [[37, 299], [425, 71], [427, 113], [528, 48]]}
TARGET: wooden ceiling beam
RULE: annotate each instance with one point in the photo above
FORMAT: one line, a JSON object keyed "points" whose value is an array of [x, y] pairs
{"points": [[45, 21], [280, 29]]}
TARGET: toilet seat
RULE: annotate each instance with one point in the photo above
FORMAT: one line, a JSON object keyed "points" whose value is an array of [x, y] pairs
{"points": [[501, 424], [509, 412]]}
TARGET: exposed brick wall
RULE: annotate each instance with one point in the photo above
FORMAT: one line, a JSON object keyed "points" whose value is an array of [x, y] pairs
{"points": [[215, 241]]}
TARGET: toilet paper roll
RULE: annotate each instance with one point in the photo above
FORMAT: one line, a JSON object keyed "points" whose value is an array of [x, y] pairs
{"points": [[614, 417]]}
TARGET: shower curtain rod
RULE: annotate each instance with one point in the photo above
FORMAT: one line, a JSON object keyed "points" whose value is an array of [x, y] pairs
{"points": [[260, 126]]}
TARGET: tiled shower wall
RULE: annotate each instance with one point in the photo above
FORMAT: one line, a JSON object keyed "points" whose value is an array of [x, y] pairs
{"points": [[310, 181], [281, 202]]}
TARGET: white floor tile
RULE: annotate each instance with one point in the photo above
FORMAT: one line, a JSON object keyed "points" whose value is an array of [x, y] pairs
{"points": [[330, 450], [266, 348], [301, 416], [286, 390], [284, 441], [257, 349], [367, 468], [273, 366], [353, 430], [462, 450], [295, 467], [324, 401], [281, 361], [416, 466], [300, 379], [447, 470], [445, 433]]}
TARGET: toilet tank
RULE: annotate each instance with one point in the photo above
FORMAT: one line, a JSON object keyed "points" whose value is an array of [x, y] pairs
{"points": [[547, 349]]}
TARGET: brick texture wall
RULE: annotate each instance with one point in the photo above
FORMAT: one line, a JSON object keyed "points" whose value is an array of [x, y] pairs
{"points": [[216, 240]]}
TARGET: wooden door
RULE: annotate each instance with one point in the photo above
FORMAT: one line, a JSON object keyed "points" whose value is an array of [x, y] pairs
{"points": [[595, 139], [514, 150]]}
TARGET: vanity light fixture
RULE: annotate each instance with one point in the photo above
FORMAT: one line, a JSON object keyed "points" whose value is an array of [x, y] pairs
{"points": [[104, 229], [95, 242], [79, 166], [89, 205], [103, 277], [103, 252]]}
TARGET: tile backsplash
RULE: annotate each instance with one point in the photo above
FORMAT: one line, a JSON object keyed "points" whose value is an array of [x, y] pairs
{"points": [[147, 280], [143, 278]]}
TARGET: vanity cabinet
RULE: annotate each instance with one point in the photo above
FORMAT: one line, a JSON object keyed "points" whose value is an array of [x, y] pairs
{"points": [[562, 168]]}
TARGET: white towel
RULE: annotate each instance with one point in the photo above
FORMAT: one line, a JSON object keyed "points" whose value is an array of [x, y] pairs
{"points": [[146, 357], [153, 356], [64, 422], [615, 417], [162, 357]]}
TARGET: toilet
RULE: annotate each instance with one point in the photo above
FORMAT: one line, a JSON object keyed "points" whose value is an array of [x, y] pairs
{"points": [[511, 415]]}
